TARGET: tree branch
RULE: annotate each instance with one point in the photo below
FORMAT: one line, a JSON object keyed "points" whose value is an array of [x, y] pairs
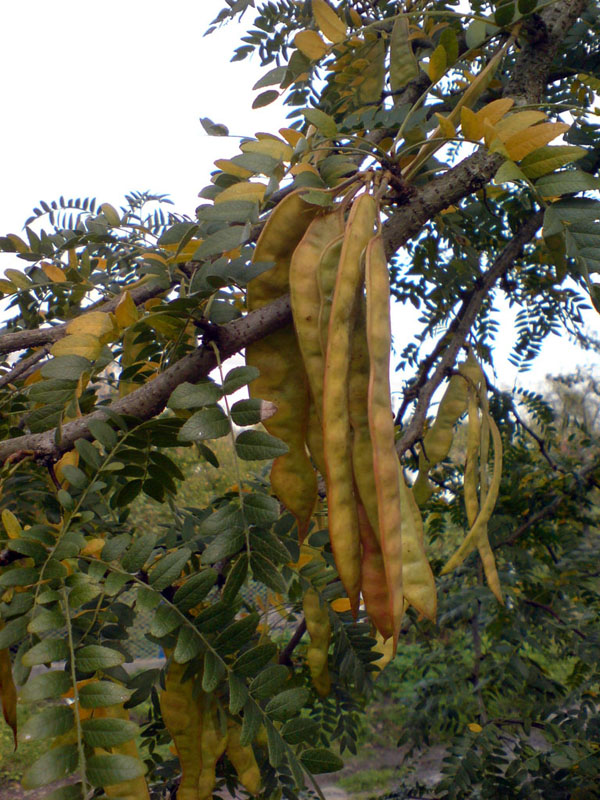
{"points": [[466, 316], [151, 399]]}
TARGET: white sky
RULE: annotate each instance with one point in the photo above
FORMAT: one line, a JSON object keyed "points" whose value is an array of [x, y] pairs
{"points": [[104, 98]]}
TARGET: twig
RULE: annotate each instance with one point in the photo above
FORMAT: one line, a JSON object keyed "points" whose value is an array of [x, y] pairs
{"points": [[466, 317], [23, 367], [552, 612], [285, 657]]}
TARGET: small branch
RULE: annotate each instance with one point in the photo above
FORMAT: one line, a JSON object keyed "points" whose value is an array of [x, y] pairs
{"points": [[22, 368], [552, 612], [285, 656], [466, 317]]}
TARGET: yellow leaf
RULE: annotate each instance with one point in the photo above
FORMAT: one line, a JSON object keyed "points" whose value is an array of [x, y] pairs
{"points": [[446, 127], [291, 136], [328, 21], [70, 458], [186, 253], [437, 63], [35, 377], [356, 18], [53, 272], [494, 111], [524, 142], [518, 122], [275, 148], [310, 44], [18, 243], [232, 169], [126, 312], [387, 650], [79, 344], [72, 258], [93, 547], [7, 287], [341, 604], [472, 128], [12, 526], [242, 191], [18, 278], [303, 167], [97, 323], [474, 727]]}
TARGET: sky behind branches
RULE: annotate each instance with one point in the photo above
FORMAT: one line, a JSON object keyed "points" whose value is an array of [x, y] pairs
{"points": [[101, 99]]}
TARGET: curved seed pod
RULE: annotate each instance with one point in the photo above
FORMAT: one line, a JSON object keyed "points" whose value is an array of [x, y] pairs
{"points": [[417, 578], [343, 522], [212, 746], [283, 380], [183, 720], [326, 277], [136, 788], [471, 478], [304, 295], [387, 650], [314, 439], [487, 506], [483, 543], [374, 581], [381, 426], [316, 615], [242, 758], [369, 91], [438, 439]]}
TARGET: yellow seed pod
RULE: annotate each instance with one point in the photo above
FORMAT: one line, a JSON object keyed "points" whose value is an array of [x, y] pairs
{"points": [[319, 631], [212, 746], [243, 759]]}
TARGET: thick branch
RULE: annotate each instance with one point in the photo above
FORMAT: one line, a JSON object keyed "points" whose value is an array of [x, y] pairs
{"points": [[151, 399], [466, 316]]}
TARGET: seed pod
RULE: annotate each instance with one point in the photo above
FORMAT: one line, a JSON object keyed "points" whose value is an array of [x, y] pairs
{"points": [[318, 627], [212, 746], [417, 578], [242, 758], [304, 295], [343, 522], [487, 506], [283, 380], [183, 720], [136, 788], [381, 426], [326, 277], [374, 580]]}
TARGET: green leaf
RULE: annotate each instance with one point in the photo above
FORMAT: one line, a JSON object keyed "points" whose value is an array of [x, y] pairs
{"points": [[238, 377], [45, 686], [260, 509], [139, 552], [13, 632], [43, 621], [259, 446], [214, 128], [73, 791], [269, 546], [45, 652], [258, 163], [403, 63], [208, 423], [221, 241], [567, 182], [238, 693], [549, 158], [67, 368], [226, 518], [237, 634], [106, 770], [48, 723], [266, 572], [89, 453], [273, 76], [274, 744], [504, 13], [195, 589], [476, 33], [19, 576], [287, 704], [251, 723], [195, 395], [100, 694], [108, 731], [246, 412], [103, 433], [164, 620], [214, 670], [265, 98], [318, 760], [93, 657], [57, 763], [300, 729], [168, 568], [188, 645], [322, 122], [236, 578], [269, 681], [252, 661], [223, 546]]}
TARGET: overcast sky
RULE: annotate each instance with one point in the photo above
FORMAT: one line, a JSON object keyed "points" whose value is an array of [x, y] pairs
{"points": [[103, 98]]}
